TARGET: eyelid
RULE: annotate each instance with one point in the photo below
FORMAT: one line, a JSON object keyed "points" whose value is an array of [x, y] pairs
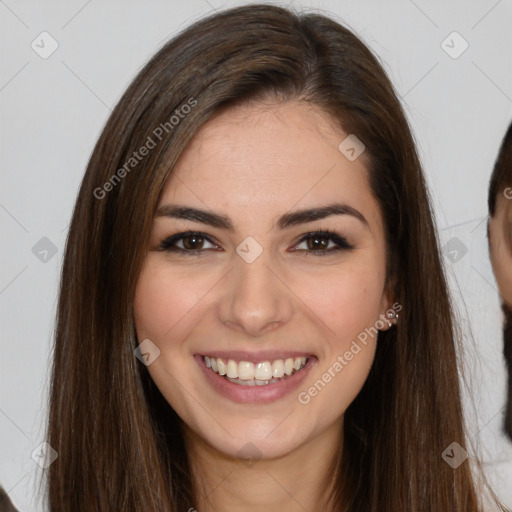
{"points": [[341, 243], [166, 243]]}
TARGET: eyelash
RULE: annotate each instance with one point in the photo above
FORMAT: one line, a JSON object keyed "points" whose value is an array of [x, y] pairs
{"points": [[341, 243]]}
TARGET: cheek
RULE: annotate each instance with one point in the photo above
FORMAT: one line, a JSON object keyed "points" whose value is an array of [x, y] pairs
{"points": [[348, 303], [163, 299], [340, 376], [156, 305], [347, 299]]}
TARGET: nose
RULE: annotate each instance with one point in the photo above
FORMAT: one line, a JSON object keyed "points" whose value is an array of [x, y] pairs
{"points": [[256, 299]]}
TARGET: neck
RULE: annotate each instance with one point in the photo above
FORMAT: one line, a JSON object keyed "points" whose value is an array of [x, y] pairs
{"points": [[300, 480]]}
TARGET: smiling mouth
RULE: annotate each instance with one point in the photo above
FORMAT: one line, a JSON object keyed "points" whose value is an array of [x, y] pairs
{"points": [[246, 373]]}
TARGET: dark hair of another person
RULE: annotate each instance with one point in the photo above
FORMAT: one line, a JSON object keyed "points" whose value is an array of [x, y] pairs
{"points": [[5, 503], [501, 178], [507, 352]]}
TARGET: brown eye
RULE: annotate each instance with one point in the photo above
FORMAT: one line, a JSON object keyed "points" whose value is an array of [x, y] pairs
{"points": [[317, 242], [190, 242], [323, 242]]}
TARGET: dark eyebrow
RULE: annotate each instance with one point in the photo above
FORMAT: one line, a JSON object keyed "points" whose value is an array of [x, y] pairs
{"points": [[285, 221], [321, 212], [184, 212]]}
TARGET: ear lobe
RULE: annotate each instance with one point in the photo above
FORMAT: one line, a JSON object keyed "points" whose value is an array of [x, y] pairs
{"points": [[389, 306], [390, 309]]}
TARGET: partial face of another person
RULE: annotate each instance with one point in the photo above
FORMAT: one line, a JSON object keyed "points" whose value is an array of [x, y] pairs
{"points": [[252, 301], [500, 241]]}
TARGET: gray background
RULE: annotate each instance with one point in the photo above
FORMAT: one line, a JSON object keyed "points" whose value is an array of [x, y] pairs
{"points": [[53, 109]]}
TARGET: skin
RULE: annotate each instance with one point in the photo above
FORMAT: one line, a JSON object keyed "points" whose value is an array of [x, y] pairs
{"points": [[253, 164], [500, 241]]}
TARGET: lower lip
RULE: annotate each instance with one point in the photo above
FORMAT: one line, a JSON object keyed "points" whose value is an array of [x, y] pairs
{"points": [[254, 394]]}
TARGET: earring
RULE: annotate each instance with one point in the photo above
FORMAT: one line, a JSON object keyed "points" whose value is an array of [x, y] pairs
{"points": [[391, 314]]}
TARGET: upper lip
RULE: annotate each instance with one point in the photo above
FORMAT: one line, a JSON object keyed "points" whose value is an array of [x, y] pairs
{"points": [[255, 357]]}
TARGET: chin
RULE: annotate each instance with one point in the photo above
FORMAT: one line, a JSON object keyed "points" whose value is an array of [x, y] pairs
{"points": [[256, 438]]}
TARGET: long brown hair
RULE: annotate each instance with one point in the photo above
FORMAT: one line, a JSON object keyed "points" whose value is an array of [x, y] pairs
{"points": [[119, 442]]}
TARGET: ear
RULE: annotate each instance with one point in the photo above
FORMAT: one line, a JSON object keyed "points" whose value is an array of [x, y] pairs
{"points": [[389, 308]]}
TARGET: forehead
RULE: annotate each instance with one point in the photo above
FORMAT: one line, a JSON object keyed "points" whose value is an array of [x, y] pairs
{"points": [[266, 136], [269, 157]]}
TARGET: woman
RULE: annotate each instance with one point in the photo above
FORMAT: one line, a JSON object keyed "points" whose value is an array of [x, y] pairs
{"points": [[500, 245], [252, 219]]}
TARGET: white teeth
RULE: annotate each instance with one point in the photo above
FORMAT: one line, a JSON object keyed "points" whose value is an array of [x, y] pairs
{"points": [[278, 368], [232, 369], [255, 374], [252, 382], [263, 371], [221, 365], [245, 370]]}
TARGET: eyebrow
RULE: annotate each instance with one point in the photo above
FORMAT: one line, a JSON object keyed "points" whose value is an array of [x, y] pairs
{"points": [[285, 221]]}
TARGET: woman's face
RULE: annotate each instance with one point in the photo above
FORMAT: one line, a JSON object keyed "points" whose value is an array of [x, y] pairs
{"points": [[500, 241], [253, 292]]}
